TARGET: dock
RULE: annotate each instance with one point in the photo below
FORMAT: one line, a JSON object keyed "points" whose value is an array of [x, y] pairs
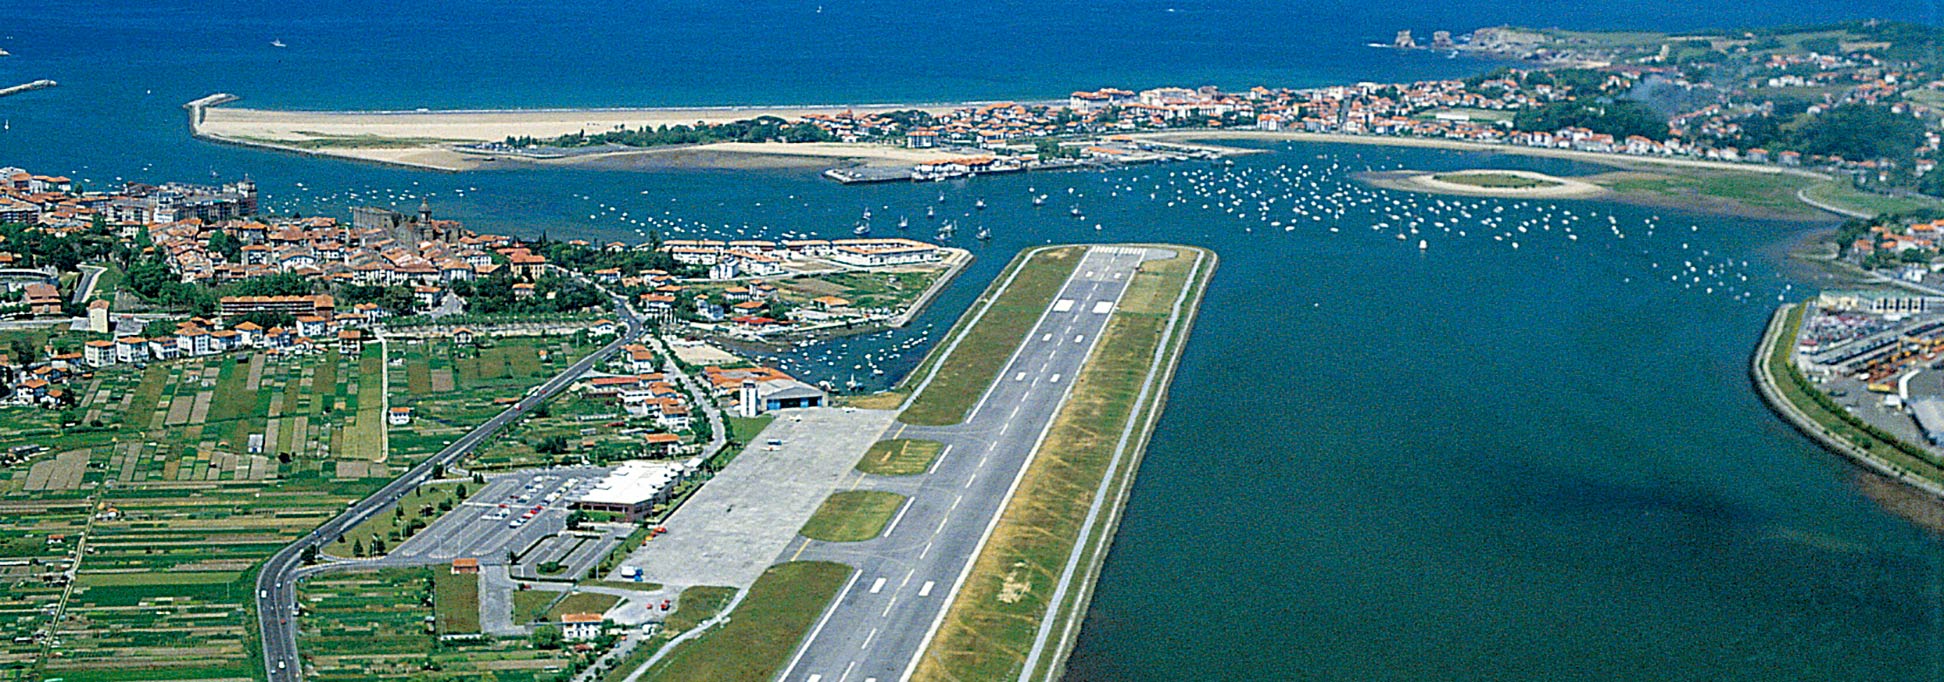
{"points": [[25, 87]]}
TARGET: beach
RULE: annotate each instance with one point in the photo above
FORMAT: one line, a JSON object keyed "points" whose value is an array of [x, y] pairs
{"points": [[432, 140]]}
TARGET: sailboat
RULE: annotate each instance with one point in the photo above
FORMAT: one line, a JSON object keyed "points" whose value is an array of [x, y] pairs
{"points": [[278, 43], [941, 197], [945, 231], [903, 222], [867, 213], [863, 228], [983, 234], [980, 204], [1075, 212], [1039, 200], [929, 213]]}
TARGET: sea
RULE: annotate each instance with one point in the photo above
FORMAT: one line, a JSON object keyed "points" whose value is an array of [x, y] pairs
{"points": [[1412, 437]]}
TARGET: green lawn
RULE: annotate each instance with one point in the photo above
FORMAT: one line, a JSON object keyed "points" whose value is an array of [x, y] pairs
{"points": [[696, 604], [760, 634], [988, 344], [455, 601], [899, 457], [1493, 180], [852, 516], [582, 602], [531, 605], [1771, 193], [1842, 194]]}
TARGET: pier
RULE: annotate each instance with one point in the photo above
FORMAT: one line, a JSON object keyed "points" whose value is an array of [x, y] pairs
{"points": [[24, 87]]}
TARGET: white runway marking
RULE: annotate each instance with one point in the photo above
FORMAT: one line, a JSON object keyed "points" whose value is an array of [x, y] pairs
{"points": [[1102, 307], [1055, 379], [925, 591], [877, 585], [1063, 305], [1079, 337], [1019, 377], [899, 517]]}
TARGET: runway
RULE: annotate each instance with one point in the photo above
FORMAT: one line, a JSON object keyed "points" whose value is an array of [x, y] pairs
{"points": [[880, 622]]}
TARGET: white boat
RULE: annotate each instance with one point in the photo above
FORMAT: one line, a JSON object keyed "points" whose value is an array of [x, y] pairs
{"points": [[903, 222], [983, 234], [980, 204], [929, 213], [278, 43], [861, 229], [1422, 245], [1075, 212]]}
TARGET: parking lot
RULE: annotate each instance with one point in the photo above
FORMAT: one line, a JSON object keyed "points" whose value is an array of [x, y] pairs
{"points": [[512, 513], [734, 527]]}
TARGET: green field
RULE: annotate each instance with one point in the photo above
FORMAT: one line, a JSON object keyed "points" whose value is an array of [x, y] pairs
{"points": [[380, 625], [184, 510], [760, 634], [1842, 194], [582, 602], [1493, 180], [899, 457], [1758, 194], [993, 623], [852, 516], [696, 604], [455, 601], [987, 345]]}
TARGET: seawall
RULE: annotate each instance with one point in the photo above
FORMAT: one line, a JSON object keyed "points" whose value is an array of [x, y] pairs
{"points": [[1765, 384]]}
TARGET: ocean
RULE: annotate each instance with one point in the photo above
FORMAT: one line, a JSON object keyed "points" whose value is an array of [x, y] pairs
{"points": [[1476, 460]]}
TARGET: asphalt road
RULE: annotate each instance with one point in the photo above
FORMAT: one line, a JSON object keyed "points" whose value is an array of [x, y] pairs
{"points": [[881, 621], [276, 601]]}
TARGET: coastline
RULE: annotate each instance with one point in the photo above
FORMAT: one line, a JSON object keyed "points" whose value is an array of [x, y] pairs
{"points": [[428, 140], [1604, 158], [1771, 394]]}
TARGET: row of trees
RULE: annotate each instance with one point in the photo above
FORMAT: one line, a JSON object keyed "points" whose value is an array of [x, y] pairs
{"points": [[760, 129]]}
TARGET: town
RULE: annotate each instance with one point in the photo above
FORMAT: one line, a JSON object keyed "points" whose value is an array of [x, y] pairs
{"points": [[177, 345]]}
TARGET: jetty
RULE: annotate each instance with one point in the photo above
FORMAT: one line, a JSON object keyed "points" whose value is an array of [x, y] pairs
{"points": [[24, 87]]}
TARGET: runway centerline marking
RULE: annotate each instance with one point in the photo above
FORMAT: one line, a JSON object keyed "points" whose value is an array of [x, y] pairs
{"points": [[925, 590]]}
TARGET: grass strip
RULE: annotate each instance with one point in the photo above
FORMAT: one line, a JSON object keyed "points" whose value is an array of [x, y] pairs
{"points": [[989, 343], [852, 515], [899, 457], [756, 641]]}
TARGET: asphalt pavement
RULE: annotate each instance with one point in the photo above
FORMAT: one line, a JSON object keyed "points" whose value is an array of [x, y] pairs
{"points": [[882, 620]]}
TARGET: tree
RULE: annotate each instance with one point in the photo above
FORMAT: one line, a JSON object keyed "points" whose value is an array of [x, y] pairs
{"points": [[1619, 118], [546, 637]]}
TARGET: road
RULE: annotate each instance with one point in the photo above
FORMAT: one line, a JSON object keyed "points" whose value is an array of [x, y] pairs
{"points": [[880, 623], [276, 601]]}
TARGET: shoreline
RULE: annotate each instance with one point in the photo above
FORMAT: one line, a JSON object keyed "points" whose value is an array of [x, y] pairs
{"points": [[1427, 181], [440, 141], [1771, 394], [1055, 651], [1603, 158]]}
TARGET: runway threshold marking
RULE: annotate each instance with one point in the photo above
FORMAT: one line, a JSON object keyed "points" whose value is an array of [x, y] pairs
{"points": [[925, 590], [877, 586]]}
